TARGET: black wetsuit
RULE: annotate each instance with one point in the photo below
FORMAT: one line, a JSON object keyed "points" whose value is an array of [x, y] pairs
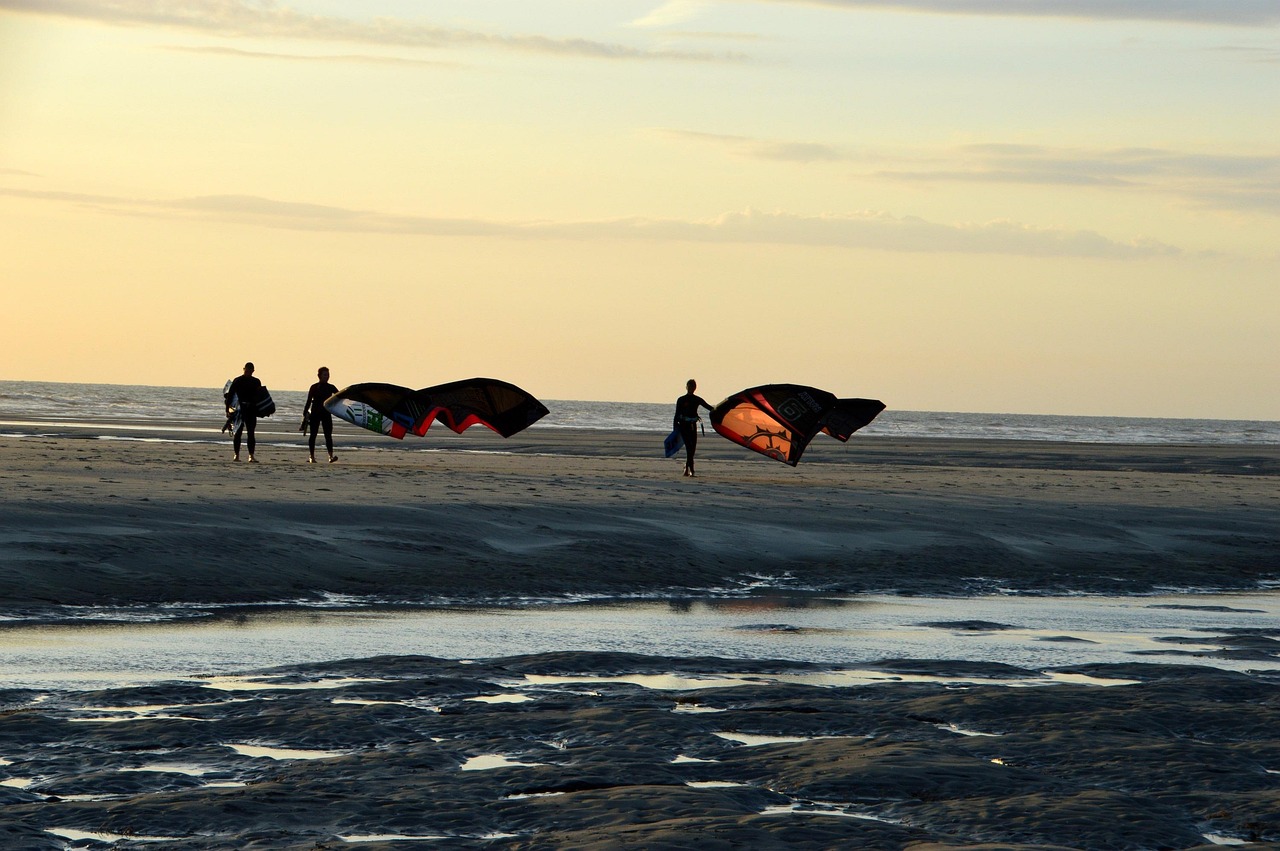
{"points": [[247, 390], [318, 416], [686, 422]]}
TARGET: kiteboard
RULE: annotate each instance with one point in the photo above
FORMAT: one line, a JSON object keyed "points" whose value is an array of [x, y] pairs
{"points": [[266, 406], [230, 406], [673, 443]]}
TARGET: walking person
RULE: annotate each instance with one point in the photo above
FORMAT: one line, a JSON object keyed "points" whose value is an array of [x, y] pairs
{"points": [[242, 398], [317, 417], [686, 422]]}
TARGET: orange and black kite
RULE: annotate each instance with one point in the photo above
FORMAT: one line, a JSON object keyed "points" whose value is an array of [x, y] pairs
{"points": [[779, 420]]}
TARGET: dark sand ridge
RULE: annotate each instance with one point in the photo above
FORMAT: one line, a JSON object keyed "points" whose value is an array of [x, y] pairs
{"points": [[86, 521], [1180, 757]]}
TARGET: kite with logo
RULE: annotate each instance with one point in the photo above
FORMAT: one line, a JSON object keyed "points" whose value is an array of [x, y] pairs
{"points": [[779, 420]]}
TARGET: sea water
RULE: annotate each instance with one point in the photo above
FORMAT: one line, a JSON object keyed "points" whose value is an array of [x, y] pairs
{"points": [[68, 402]]}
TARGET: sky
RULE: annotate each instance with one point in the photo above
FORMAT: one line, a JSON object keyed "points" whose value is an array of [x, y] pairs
{"points": [[1024, 206]]}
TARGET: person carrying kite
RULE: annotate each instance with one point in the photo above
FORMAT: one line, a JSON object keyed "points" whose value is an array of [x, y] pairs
{"points": [[685, 421], [242, 407], [317, 416]]}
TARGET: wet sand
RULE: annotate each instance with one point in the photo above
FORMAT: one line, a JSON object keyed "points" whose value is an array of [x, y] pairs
{"points": [[87, 521], [554, 752], [1179, 756]]}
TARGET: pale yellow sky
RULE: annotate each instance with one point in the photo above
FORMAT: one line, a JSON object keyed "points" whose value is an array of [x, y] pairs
{"points": [[1047, 212]]}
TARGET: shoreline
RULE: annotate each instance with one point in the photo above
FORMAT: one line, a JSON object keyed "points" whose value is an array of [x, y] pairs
{"points": [[551, 513]]}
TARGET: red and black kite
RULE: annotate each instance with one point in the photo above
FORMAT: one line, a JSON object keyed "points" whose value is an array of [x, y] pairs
{"points": [[397, 411]]}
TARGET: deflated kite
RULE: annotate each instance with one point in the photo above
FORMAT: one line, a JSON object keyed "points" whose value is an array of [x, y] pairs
{"points": [[396, 411], [779, 420]]}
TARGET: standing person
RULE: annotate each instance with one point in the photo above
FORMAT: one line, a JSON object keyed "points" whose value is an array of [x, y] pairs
{"points": [[686, 422], [246, 390], [317, 416]]}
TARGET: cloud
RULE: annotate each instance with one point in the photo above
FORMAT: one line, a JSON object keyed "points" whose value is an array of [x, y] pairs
{"points": [[245, 19], [1232, 13], [1252, 53], [1231, 182], [296, 57], [877, 230], [1218, 181], [764, 149], [670, 13], [864, 230]]}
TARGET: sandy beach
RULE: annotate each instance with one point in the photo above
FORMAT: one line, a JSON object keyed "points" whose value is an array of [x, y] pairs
{"points": [[579, 750], [88, 521]]}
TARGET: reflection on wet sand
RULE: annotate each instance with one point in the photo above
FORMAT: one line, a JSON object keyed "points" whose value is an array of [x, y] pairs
{"points": [[270, 752], [490, 762]]}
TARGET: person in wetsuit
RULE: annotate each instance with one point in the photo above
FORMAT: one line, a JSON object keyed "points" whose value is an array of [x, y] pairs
{"points": [[686, 422], [317, 416], [247, 390]]}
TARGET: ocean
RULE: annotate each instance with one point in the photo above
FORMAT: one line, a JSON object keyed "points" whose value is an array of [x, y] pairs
{"points": [[68, 403]]}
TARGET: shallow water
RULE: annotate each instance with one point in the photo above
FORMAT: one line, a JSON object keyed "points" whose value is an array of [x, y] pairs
{"points": [[1027, 632]]}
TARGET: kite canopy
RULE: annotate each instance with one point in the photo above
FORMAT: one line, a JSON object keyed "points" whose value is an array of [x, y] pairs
{"points": [[849, 415], [779, 420], [397, 411]]}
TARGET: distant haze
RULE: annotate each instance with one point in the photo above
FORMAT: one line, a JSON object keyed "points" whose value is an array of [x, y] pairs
{"points": [[1034, 206]]}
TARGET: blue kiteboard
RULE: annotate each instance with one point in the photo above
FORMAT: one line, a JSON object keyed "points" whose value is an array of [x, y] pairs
{"points": [[674, 442]]}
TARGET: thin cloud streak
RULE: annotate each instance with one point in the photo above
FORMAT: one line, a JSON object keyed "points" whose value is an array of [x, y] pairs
{"points": [[1249, 53], [764, 149], [866, 230], [1243, 183], [1217, 181], [879, 231], [671, 12], [362, 58], [1230, 13], [239, 19]]}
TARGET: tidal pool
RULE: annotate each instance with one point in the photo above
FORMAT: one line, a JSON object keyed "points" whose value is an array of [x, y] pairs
{"points": [[1027, 632]]}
